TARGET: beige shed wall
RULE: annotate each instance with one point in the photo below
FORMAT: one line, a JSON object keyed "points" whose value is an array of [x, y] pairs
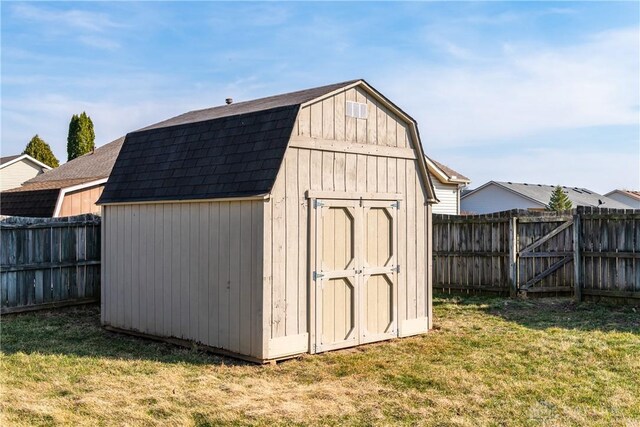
{"points": [[186, 270], [15, 174], [286, 263], [81, 201]]}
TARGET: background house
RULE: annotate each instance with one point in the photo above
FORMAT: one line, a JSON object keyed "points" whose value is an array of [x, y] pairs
{"points": [[14, 170], [448, 185], [495, 196], [269, 228], [70, 189], [628, 197]]}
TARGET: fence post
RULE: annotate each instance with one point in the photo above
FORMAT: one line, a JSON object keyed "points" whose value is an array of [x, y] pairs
{"points": [[513, 256], [577, 262]]}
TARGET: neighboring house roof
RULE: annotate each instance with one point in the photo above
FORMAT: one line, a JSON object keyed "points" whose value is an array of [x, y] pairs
{"points": [[630, 193], [229, 151], [540, 193], [445, 174], [40, 196], [9, 160]]}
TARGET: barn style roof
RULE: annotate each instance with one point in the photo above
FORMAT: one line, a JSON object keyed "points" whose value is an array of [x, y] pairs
{"points": [[541, 194], [222, 152]]}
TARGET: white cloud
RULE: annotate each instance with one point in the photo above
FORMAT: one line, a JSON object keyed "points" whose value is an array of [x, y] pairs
{"points": [[79, 19], [527, 90]]}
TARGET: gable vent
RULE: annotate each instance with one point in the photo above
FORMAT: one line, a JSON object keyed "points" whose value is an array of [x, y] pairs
{"points": [[357, 110]]}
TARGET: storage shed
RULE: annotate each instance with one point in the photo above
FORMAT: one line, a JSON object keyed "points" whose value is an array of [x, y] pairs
{"points": [[298, 223]]}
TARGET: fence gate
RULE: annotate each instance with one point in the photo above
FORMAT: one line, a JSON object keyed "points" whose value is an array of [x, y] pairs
{"points": [[544, 254]]}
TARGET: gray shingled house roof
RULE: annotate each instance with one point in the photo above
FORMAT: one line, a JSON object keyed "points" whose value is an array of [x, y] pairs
{"points": [[6, 159], [542, 193], [229, 151]]}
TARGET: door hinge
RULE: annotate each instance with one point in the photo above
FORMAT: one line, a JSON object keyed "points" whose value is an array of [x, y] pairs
{"points": [[317, 203], [396, 204], [317, 275], [397, 269]]}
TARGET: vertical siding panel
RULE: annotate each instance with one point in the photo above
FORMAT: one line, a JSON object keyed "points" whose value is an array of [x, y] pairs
{"points": [[382, 175], [401, 135], [158, 251], [105, 264], [372, 174], [246, 278], [421, 260], [339, 172], [411, 241], [224, 278], [402, 241], [328, 120], [392, 130], [350, 122], [185, 273], [214, 269], [128, 280], [339, 116], [150, 297], [177, 282], [235, 209], [381, 122], [361, 173], [167, 265], [278, 257], [391, 175], [134, 236], [316, 120], [203, 273], [351, 172], [193, 245], [372, 122], [361, 124], [257, 281], [327, 171], [304, 121], [303, 239], [315, 169], [292, 239], [142, 281], [266, 322], [121, 279]]}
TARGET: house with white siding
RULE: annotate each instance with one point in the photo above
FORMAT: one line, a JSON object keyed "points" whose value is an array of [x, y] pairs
{"points": [[495, 196], [628, 197], [448, 185], [14, 170]]}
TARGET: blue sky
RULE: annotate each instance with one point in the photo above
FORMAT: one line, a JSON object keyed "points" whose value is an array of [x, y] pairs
{"points": [[526, 92]]}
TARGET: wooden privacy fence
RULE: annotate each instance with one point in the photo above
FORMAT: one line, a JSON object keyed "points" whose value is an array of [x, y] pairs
{"points": [[48, 262], [587, 252]]}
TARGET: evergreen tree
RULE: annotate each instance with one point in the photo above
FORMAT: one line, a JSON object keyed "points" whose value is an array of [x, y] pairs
{"points": [[559, 200], [81, 139], [40, 150]]}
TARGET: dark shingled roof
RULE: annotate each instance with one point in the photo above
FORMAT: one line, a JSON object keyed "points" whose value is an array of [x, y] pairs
{"points": [[36, 203], [451, 174], [229, 151]]}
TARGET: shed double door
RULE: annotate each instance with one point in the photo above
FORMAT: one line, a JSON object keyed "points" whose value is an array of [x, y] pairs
{"points": [[355, 273]]}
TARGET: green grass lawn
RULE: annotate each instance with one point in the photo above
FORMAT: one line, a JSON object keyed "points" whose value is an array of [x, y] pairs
{"points": [[488, 361]]}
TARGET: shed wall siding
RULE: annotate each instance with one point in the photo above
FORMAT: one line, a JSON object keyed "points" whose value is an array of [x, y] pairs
{"points": [[448, 196], [186, 270], [327, 120], [495, 199], [81, 202], [14, 175], [286, 241]]}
